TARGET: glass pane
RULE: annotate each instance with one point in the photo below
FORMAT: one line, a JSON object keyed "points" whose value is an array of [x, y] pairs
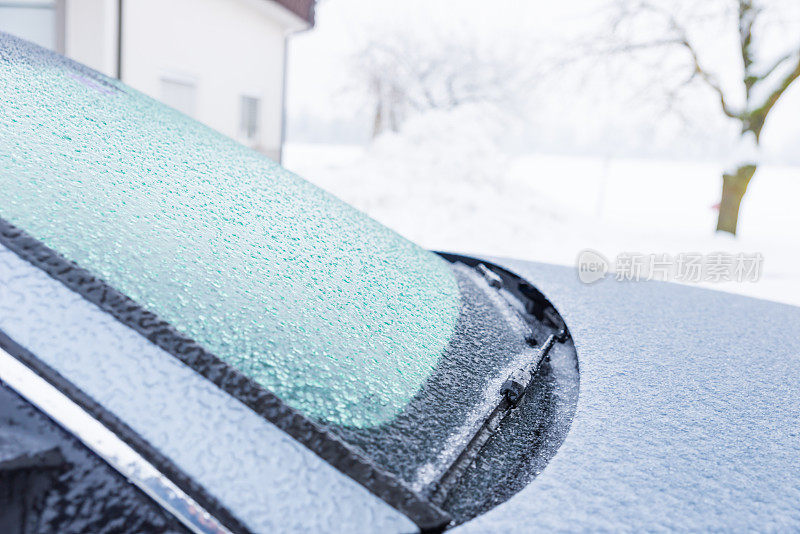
{"points": [[340, 317], [180, 95], [249, 122]]}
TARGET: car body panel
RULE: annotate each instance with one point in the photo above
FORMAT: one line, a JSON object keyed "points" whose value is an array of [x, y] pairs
{"points": [[688, 416]]}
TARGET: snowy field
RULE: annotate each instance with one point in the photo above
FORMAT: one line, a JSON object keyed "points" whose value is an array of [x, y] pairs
{"points": [[548, 208]]}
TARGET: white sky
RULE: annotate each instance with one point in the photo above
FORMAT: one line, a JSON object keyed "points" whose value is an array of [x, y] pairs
{"points": [[319, 59], [577, 115]]}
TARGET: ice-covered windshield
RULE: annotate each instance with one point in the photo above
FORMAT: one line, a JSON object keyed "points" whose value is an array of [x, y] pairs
{"points": [[404, 356], [340, 317]]}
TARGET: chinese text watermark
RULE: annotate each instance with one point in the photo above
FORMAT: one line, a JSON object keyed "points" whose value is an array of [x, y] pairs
{"points": [[688, 267]]}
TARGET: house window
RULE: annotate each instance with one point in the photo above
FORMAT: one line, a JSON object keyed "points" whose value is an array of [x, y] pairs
{"points": [[34, 21], [179, 94], [248, 124]]}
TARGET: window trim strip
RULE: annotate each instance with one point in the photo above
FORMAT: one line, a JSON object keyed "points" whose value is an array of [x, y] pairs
{"points": [[163, 464], [107, 445]]}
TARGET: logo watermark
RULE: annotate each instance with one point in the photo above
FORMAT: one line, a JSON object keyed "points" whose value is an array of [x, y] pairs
{"points": [[687, 267], [592, 266]]}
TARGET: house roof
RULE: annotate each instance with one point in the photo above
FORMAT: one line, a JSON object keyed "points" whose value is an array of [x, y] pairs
{"points": [[302, 8]]}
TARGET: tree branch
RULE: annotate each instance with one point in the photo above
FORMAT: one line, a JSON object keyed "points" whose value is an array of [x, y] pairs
{"points": [[780, 61], [709, 79], [747, 19], [681, 38], [754, 121]]}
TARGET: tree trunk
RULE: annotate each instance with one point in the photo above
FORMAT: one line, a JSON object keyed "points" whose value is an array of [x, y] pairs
{"points": [[377, 121], [734, 186]]}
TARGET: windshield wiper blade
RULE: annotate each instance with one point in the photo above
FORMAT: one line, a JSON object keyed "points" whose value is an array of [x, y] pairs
{"points": [[513, 391]]}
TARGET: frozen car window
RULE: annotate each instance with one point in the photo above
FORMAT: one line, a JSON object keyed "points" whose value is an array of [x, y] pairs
{"points": [[340, 317], [395, 351]]}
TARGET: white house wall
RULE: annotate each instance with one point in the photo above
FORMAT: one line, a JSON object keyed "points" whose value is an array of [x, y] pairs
{"points": [[226, 49]]}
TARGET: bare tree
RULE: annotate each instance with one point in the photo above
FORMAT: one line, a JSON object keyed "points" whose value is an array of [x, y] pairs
{"points": [[652, 26], [404, 75]]}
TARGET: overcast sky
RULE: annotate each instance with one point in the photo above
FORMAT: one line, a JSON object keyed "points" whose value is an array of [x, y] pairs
{"points": [[576, 115]]}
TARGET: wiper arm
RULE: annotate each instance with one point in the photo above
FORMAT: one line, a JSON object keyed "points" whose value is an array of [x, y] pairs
{"points": [[513, 390]]}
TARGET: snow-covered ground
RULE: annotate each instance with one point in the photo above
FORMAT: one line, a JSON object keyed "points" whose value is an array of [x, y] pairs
{"points": [[452, 196]]}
